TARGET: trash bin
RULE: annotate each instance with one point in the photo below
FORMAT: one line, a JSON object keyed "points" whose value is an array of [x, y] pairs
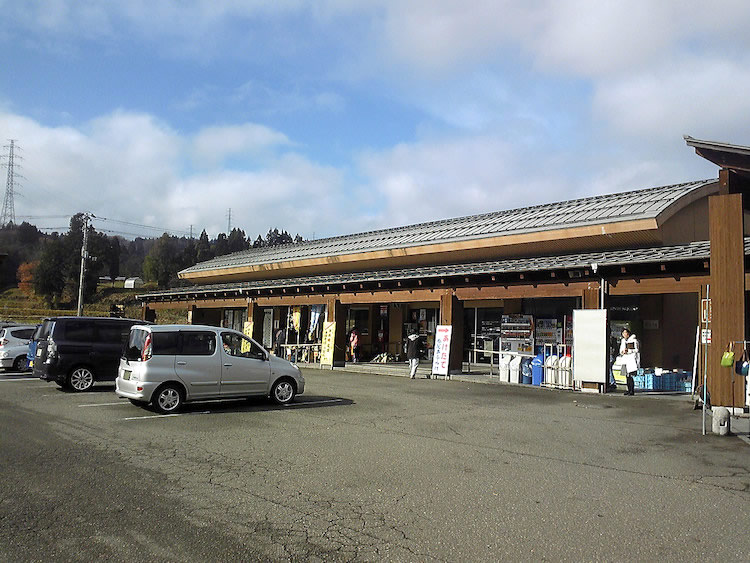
{"points": [[720, 421], [550, 370], [526, 371], [537, 370], [515, 369], [504, 365]]}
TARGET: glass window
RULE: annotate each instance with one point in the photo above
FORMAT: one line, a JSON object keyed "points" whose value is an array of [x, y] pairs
{"points": [[79, 331], [164, 343], [238, 345], [111, 333], [135, 344], [23, 333], [198, 343]]}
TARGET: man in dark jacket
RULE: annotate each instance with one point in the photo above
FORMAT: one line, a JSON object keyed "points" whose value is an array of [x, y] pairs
{"points": [[413, 352]]}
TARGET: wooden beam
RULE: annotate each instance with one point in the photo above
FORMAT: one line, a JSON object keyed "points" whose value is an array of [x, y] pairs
{"points": [[656, 285]]}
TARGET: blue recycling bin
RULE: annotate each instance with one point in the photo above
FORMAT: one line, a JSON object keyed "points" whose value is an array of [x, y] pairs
{"points": [[537, 370]]}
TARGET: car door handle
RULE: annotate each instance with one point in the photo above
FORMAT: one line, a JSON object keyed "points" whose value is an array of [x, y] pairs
{"points": [[227, 365], [181, 363]]}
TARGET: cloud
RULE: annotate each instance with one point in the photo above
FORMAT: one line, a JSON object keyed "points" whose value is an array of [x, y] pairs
{"points": [[212, 145], [130, 167]]}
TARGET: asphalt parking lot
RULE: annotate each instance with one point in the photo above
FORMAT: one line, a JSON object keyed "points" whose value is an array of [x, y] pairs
{"points": [[368, 467]]}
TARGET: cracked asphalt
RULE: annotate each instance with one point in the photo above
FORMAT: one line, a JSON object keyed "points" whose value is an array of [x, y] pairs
{"points": [[368, 468]]}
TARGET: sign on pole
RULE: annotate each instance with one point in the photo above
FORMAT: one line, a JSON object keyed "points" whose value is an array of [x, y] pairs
{"points": [[442, 350], [328, 344]]}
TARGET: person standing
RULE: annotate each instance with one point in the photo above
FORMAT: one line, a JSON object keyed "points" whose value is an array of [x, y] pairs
{"points": [[630, 350], [413, 351], [279, 342], [354, 344]]}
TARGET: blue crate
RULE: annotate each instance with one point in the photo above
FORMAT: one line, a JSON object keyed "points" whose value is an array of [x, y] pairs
{"points": [[653, 382], [640, 381]]}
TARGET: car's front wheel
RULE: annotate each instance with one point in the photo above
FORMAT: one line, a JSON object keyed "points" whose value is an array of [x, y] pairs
{"points": [[168, 399], [283, 391], [81, 379]]}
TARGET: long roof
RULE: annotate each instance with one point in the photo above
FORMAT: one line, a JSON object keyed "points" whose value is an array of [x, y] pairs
{"points": [[610, 208], [661, 254]]}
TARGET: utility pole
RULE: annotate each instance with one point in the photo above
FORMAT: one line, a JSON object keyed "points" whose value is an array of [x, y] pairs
{"points": [[229, 221], [9, 212], [84, 257]]}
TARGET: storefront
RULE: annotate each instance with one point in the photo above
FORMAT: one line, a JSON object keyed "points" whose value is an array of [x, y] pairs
{"points": [[507, 283]]}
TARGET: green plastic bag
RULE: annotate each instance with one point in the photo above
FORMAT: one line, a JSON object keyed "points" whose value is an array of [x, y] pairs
{"points": [[727, 360]]}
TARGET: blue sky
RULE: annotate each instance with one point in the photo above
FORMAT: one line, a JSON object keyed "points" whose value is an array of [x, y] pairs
{"points": [[334, 116]]}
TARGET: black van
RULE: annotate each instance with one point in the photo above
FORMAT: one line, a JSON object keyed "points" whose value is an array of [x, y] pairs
{"points": [[78, 351]]}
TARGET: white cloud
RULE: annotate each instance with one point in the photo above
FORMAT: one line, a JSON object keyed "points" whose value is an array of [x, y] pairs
{"points": [[213, 144]]}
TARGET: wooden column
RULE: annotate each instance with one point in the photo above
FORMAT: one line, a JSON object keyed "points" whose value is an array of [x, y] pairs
{"points": [[590, 296], [452, 313], [727, 292], [255, 316], [335, 312], [396, 329]]}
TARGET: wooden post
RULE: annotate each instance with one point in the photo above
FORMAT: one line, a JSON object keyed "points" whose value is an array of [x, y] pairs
{"points": [[335, 312], [452, 313], [590, 296], [396, 329], [725, 218], [255, 316]]}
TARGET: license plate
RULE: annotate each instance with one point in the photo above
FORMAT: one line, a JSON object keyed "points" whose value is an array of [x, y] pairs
{"points": [[38, 352], [31, 363], [126, 375]]}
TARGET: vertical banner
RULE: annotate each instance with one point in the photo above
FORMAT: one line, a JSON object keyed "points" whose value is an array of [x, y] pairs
{"points": [[327, 345], [441, 355], [248, 330]]}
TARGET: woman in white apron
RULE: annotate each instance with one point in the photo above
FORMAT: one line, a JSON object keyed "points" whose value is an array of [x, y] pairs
{"points": [[630, 351]]}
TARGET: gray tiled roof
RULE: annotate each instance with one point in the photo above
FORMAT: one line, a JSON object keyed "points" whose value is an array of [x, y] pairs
{"points": [[662, 254], [640, 204]]}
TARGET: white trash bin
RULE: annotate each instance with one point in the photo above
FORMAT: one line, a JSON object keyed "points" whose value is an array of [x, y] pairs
{"points": [[720, 421], [515, 369], [505, 367]]}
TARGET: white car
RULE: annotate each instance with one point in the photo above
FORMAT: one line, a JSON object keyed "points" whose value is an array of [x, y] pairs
{"points": [[14, 345], [168, 365]]}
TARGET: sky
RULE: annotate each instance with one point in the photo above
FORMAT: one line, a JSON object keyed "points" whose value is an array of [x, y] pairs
{"points": [[331, 117]]}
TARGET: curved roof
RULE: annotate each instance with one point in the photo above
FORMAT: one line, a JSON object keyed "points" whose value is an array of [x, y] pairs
{"points": [[625, 206]]}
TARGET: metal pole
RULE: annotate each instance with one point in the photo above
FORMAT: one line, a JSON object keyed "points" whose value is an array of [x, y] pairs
{"points": [[84, 256], [705, 366]]}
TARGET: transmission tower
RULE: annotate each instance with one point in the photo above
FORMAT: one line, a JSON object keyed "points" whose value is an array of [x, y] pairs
{"points": [[9, 210]]}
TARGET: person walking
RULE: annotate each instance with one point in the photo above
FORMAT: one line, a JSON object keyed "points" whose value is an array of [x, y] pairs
{"points": [[630, 350], [413, 351]]}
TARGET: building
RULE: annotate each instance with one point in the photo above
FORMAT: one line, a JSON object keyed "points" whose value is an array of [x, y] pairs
{"points": [[643, 255]]}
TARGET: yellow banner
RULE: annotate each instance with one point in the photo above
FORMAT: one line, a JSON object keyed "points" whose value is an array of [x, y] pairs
{"points": [[328, 343], [248, 330]]}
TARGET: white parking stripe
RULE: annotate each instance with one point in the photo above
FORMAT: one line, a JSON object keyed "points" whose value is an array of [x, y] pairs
{"points": [[150, 416], [22, 379], [105, 404]]}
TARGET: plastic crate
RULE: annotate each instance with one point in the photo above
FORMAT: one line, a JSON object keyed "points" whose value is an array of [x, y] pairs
{"points": [[640, 381], [653, 382]]}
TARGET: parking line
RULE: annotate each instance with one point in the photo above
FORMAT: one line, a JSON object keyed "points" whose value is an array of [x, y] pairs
{"points": [[22, 379], [164, 415], [105, 404]]}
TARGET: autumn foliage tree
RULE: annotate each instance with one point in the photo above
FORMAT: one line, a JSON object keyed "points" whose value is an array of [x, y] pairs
{"points": [[25, 275]]}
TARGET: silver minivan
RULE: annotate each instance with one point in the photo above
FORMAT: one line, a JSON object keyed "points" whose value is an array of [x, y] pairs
{"points": [[168, 365]]}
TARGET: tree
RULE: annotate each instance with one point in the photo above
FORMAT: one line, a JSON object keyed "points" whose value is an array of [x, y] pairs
{"points": [[49, 281], [161, 264], [203, 248], [221, 246], [237, 240], [25, 276]]}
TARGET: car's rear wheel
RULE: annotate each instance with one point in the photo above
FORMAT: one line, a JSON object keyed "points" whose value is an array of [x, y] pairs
{"points": [[19, 364], [81, 379], [283, 391], [168, 399]]}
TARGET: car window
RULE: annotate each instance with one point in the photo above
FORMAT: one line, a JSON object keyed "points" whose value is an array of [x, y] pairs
{"points": [[136, 341], [79, 331], [111, 333], [164, 343], [198, 343], [238, 345], [22, 333], [47, 328]]}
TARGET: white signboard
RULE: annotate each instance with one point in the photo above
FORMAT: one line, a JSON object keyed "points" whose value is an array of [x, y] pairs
{"points": [[441, 355], [590, 345]]}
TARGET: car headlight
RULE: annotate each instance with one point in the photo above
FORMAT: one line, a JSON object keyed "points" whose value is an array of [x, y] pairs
{"points": [[3, 354]]}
